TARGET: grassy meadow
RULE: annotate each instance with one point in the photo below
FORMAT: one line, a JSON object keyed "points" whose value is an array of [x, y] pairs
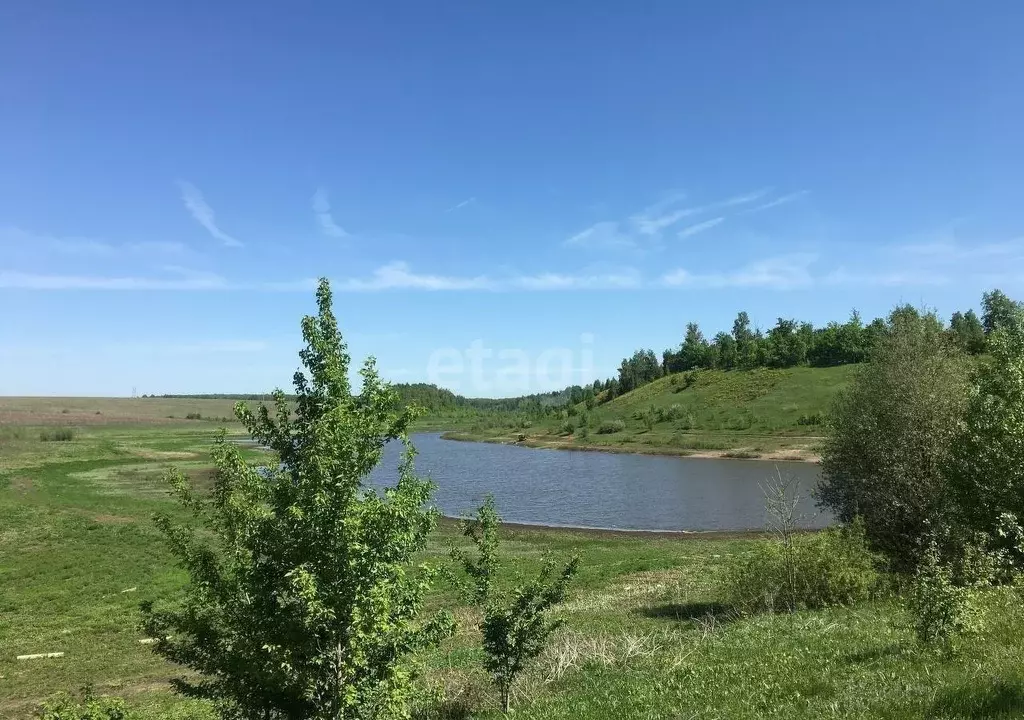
{"points": [[647, 633], [761, 413]]}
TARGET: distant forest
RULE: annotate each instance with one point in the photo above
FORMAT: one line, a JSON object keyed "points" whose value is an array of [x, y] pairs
{"points": [[788, 344]]}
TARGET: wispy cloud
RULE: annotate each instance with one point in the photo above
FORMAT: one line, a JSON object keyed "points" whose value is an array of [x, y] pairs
{"points": [[33, 281], [951, 251], [322, 210], [780, 201], [624, 280], [606, 235], [700, 227], [398, 276], [785, 272], [203, 213], [647, 227], [464, 203], [16, 238], [886, 278]]}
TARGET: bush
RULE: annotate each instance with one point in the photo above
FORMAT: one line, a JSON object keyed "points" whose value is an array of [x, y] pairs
{"points": [[91, 708], [674, 412], [1007, 545], [583, 432], [890, 433], [194, 416], [812, 419], [610, 426], [568, 427], [829, 568], [941, 609], [57, 435]]}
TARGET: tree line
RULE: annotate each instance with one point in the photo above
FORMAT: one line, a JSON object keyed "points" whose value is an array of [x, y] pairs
{"points": [[791, 343]]}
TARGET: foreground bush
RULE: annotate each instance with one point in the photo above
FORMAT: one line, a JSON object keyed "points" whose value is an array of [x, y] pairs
{"points": [[807, 571], [942, 609], [890, 434], [91, 708], [516, 625]]}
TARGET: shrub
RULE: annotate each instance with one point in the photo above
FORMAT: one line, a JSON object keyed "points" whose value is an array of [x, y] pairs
{"points": [[91, 708], [516, 625], [890, 434], [812, 419], [674, 412], [568, 427], [194, 416], [1008, 547], [986, 464], [941, 609], [816, 570], [57, 435], [648, 418], [609, 427], [583, 432]]}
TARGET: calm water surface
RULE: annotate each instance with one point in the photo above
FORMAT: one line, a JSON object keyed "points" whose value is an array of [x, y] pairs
{"points": [[601, 490]]}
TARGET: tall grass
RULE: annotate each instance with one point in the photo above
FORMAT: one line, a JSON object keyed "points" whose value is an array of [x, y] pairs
{"points": [[57, 435]]}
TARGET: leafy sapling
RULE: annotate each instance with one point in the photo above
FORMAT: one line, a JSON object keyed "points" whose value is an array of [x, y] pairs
{"points": [[516, 625], [303, 601]]}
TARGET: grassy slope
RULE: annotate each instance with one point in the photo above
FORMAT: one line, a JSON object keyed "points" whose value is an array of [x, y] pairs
{"points": [[742, 412], [644, 635]]}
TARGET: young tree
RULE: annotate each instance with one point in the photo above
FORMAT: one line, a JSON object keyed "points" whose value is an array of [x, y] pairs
{"points": [[786, 344], [728, 358], [693, 352], [997, 310], [745, 342], [986, 466], [515, 625], [301, 604], [889, 435], [967, 332]]}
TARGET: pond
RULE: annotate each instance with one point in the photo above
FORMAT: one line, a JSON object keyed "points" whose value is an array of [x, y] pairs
{"points": [[602, 490]]}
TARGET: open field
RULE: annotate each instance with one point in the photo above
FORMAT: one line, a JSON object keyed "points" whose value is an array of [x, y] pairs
{"points": [[761, 413], [646, 634], [42, 411]]}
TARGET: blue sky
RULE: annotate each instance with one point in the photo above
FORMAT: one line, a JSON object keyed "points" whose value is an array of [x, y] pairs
{"points": [[567, 180]]}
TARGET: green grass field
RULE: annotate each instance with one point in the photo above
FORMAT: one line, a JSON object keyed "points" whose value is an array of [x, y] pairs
{"points": [[646, 635], [773, 414]]}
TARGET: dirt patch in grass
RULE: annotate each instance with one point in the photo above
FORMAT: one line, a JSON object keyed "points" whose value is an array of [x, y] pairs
{"points": [[149, 454], [22, 484]]}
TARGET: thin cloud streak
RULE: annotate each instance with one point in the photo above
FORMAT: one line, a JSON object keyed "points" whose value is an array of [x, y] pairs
{"points": [[780, 201], [785, 272], [605, 234], [464, 203], [322, 210], [398, 276], [700, 227], [86, 247], [203, 213], [654, 219], [33, 281]]}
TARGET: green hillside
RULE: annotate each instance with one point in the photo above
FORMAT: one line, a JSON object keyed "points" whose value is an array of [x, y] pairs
{"points": [[740, 413]]}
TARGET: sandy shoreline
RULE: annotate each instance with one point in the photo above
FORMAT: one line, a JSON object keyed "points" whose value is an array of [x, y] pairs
{"points": [[772, 456]]}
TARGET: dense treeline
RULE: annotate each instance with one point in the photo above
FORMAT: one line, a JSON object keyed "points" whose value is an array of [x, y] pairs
{"points": [[791, 343]]}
